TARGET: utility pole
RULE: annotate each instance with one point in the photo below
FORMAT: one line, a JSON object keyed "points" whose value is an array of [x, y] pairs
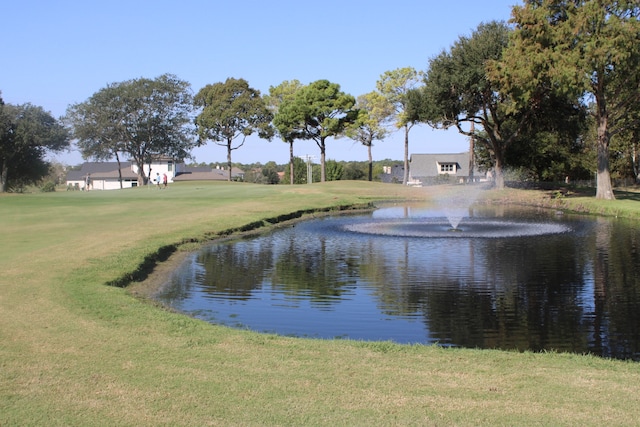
{"points": [[308, 159]]}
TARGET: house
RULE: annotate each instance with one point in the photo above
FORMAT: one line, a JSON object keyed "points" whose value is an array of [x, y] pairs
{"points": [[444, 167], [104, 175], [392, 174]]}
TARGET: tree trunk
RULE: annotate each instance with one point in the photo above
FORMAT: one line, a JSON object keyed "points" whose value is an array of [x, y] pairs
{"points": [[634, 162], [229, 158], [322, 158], [604, 190], [291, 180], [149, 164], [472, 159], [4, 174], [370, 162], [498, 172], [142, 180], [119, 169], [405, 178]]}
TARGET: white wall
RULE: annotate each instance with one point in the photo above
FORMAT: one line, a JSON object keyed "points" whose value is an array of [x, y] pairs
{"points": [[161, 168], [99, 184]]}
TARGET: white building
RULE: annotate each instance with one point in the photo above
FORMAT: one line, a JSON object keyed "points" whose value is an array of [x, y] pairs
{"points": [[105, 176]]}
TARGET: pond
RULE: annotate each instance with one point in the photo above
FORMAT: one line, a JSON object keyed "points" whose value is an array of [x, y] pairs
{"points": [[505, 278]]}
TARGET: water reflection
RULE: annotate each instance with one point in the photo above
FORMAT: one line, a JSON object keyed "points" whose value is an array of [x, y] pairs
{"points": [[575, 289]]}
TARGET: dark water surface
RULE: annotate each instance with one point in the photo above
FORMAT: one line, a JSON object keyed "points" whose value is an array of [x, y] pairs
{"points": [[506, 278]]}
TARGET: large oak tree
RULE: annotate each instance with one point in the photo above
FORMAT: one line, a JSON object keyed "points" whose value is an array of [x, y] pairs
{"points": [[96, 126], [458, 92], [588, 49], [27, 133], [141, 118]]}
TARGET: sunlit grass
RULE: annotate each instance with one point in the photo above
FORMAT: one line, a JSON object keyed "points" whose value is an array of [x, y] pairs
{"points": [[77, 352]]}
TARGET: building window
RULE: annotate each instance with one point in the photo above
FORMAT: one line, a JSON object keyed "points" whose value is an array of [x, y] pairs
{"points": [[170, 166], [447, 167]]}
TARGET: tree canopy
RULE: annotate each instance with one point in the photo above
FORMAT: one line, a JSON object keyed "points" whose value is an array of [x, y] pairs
{"points": [[316, 112], [588, 49], [374, 111], [285, 91], [27, 132], [142, 118], [231, 111], [395, 86], [458, 91], [519, 90]]}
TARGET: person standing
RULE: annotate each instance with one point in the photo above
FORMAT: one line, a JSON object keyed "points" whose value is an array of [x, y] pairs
{"points": [[158, 179], [164, 180], [87, 182]]}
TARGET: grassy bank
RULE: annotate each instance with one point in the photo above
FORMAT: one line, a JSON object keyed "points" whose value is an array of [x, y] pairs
{"points": [[77, 352]]}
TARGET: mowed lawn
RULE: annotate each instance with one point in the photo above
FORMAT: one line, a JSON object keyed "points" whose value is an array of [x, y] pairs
{"points": [[76, 352]]}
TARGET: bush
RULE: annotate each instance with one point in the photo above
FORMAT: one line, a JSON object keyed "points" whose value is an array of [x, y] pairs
{"points": [[48, 187]]}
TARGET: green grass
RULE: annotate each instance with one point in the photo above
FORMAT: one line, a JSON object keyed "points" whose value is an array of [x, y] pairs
{"points": [[75, 352]]}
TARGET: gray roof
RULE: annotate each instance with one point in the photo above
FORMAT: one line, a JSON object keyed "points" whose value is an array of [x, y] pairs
{"points": [[204, 173], [109, 171], [427, 165], [101, 170]]}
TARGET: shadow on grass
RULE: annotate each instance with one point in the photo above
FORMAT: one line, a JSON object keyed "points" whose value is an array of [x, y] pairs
{"points": [[627, 195]]}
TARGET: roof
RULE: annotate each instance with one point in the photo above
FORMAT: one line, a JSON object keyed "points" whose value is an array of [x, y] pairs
{"points": [[109, 171], [395, 174], [102, 170], [204, 173], [427, 165]]}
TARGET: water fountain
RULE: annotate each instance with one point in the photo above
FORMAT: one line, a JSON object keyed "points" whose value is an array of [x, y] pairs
{"points": [[481, 276], [455, 221], [456, 203]]}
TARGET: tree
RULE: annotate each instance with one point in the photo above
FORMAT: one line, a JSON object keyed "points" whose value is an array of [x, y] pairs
{"points": [[625, 151], [270, 173], [231, 110], [374, 110], [394, 86], [96, 125], [299, 172], [142, 118], [317, 111], [458, 91], [551, 146], [27, 132], [285, 91], [589, 49], [356, 171], [334, 170]]}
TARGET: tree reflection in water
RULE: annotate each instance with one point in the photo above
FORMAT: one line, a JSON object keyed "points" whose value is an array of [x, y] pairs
{"points": [[573, 291]]}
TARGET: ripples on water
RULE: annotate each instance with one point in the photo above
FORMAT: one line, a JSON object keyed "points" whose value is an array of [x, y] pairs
{"points": [[511, 279]]}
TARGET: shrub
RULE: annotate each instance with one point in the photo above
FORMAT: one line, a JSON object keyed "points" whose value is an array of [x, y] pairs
{"points": [[48, 187]]}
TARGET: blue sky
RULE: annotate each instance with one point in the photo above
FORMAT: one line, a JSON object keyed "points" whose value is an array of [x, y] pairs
{"points": [[56, 53]]}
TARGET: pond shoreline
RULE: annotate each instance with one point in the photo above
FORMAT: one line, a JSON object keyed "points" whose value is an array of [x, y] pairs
{"points": [[159, 274], [158, 277]]}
